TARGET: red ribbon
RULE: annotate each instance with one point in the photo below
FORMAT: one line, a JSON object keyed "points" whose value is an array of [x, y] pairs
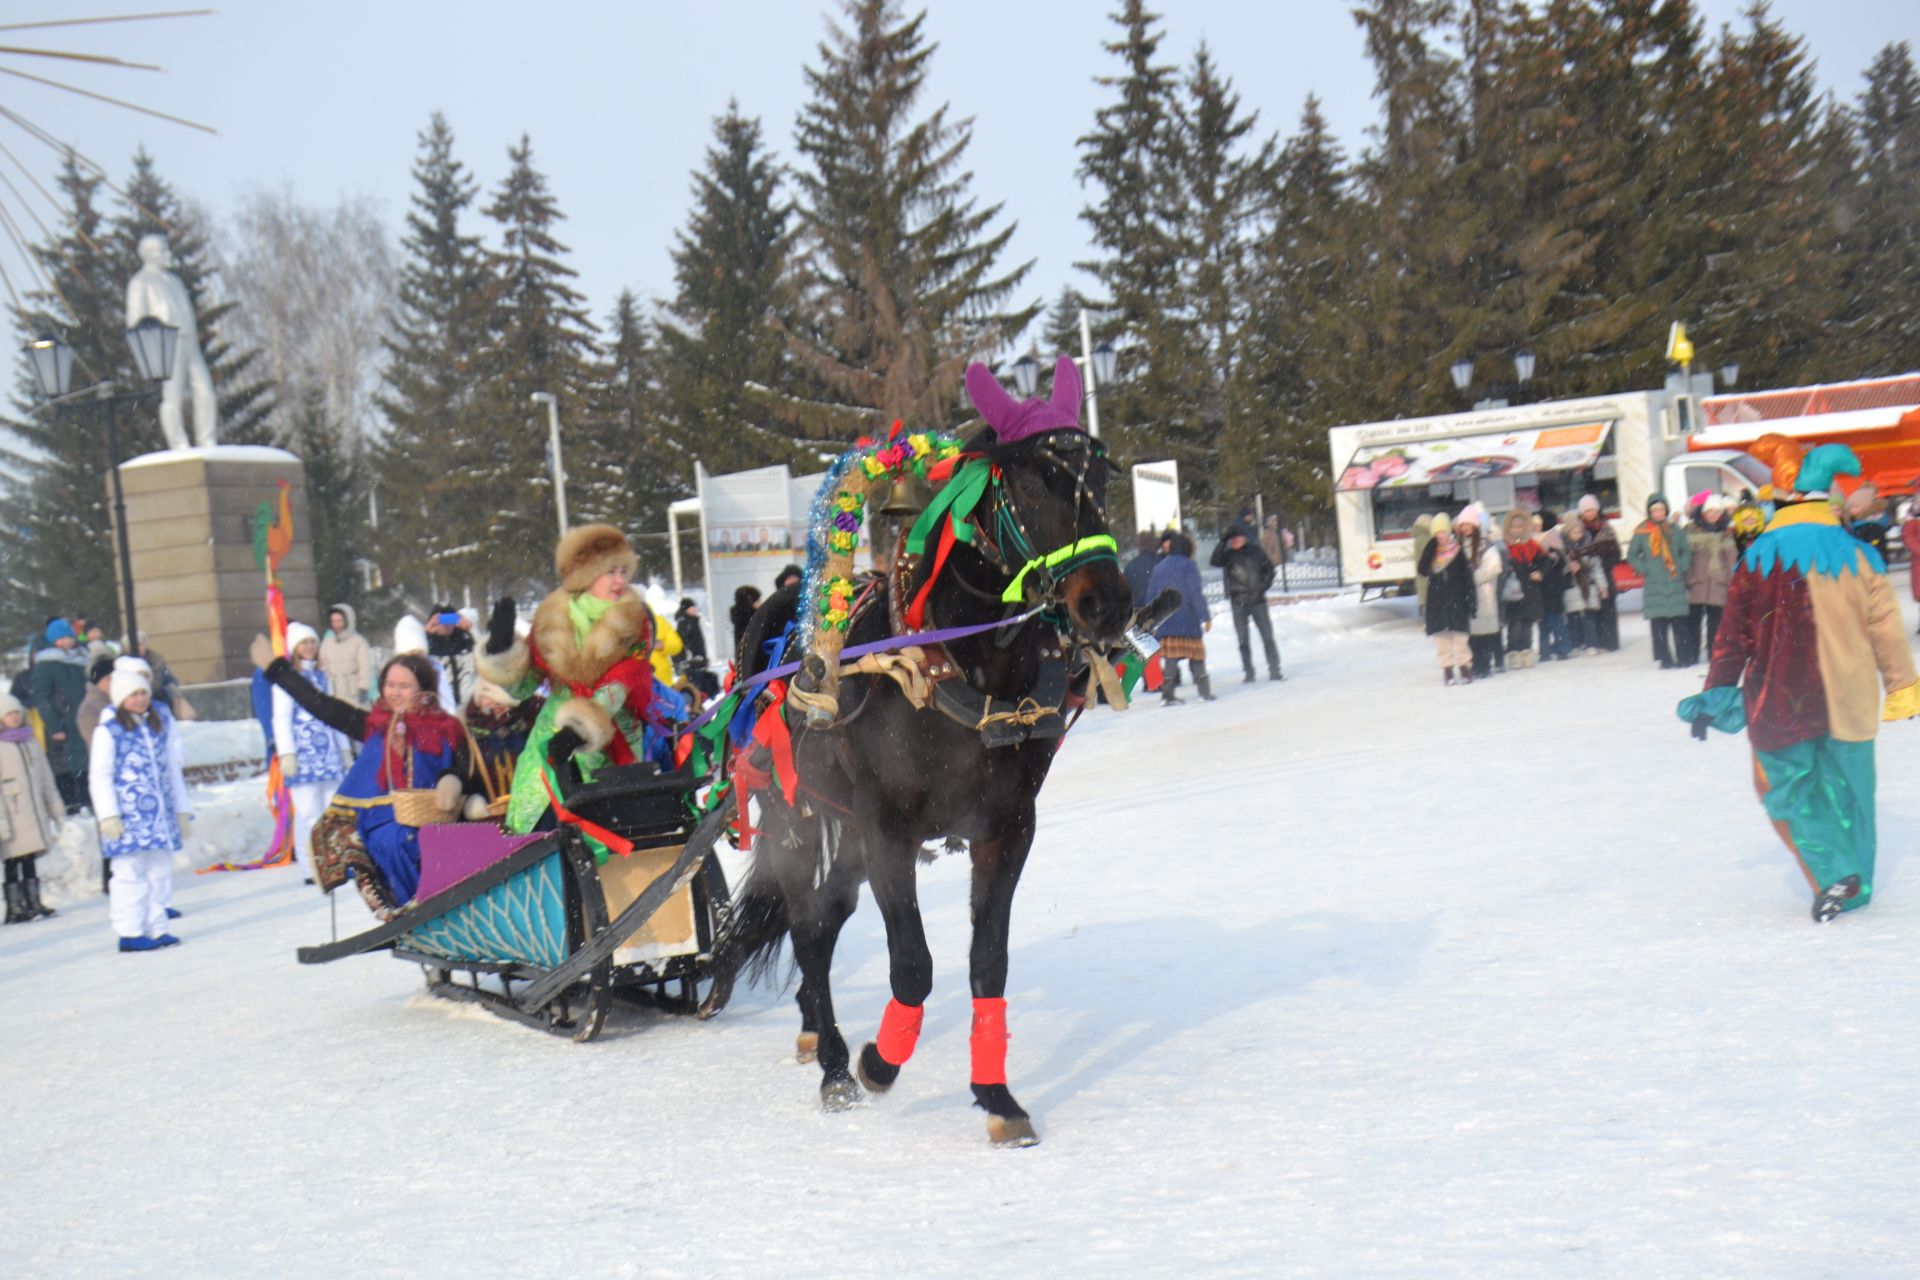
{"points": [[618, 844], [917, 611]]}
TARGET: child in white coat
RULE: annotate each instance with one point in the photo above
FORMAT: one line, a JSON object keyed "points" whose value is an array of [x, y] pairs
{"points": [[139, 790], [310, 753]]}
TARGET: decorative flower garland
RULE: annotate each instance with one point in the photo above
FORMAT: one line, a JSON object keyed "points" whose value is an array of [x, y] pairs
{"points": [[841, 505]]}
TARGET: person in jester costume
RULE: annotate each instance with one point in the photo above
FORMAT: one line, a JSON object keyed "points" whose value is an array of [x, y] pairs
{"points": [[590, 643], [1810, 635]]}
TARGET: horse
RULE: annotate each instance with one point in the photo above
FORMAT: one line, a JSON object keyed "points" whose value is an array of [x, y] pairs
{"points": [[894, 776]]}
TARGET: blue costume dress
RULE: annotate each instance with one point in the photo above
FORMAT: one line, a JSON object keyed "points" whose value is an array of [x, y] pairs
{"points": [[393, 846]]}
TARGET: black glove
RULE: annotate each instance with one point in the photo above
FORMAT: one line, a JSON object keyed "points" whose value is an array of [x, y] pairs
{"points": [[500, 626], [277, 670], [560, 749], [1700, 726]]}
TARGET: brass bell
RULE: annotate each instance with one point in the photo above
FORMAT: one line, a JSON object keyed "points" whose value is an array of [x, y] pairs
{"points": [[908, 495]]}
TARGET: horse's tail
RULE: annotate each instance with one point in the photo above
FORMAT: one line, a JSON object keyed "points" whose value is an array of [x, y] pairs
{"points": [[749, 942]]}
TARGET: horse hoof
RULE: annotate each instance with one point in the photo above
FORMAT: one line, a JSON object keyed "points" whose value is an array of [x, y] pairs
{"points": [[1011, 1131], [874, 1071], [840, 1095], [806, 1046]]}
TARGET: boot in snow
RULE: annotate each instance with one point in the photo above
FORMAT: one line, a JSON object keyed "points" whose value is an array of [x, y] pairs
{"points": [[1466, 675], [1828, 904], [1167, 699], [141, 944], [1447, 673], [1205, 685], [1275, 675], [36, 909], [17, 912]]}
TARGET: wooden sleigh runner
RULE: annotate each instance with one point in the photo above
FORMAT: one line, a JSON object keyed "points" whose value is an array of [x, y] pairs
{"points": [[532, 928]]}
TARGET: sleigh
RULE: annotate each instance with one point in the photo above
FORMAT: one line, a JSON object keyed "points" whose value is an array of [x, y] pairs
{"points": [[532, 928]]}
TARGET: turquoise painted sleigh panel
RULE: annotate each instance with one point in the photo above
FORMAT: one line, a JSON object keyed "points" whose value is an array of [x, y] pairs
{"points": [[523, 921]]}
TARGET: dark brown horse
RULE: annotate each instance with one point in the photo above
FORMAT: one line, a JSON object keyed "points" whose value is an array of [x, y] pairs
{"points": [[893, 777]]}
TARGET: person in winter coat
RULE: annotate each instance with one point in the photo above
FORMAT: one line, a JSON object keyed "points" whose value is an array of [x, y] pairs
{"points": [[1599, 557], [1181, 635], [412, 744], [410, 638], [1521, 586], [590, 642], [58, 685], [139, 788], [1551, 564], [450, 644], [1483, 559], [1866, 517], [667, 645], [311, 755], [1448, 574], [1710, 543], [1811, 635], [746, 600], [31, 811], [500, 725], [346, 657], [1248, 573], [1661, 554], [1587, 586], [1910, 538], [693, 648], [1749, 521], [1138, 570], [96, 704]]}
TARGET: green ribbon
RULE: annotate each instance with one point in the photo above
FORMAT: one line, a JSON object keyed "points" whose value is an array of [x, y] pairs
{"points": [[1098, 542], [958, 497]]}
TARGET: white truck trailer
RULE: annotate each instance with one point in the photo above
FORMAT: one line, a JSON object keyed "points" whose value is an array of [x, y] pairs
{"points": [[1538, 457]]}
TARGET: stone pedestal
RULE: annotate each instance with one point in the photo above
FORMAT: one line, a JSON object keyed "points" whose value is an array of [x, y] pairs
{"points": [[200, 596]]}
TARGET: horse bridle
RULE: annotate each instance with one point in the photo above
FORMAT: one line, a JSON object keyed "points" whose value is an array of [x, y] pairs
{"points": [[1009, 532]]}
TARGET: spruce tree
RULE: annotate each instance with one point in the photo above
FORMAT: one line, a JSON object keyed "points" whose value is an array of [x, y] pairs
{"points": [[1127, 160], [634, 460], [542, 340], [431, 390], [1883, 242], [897, 278], [727, 360]]}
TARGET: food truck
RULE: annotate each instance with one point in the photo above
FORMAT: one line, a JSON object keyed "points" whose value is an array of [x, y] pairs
{"points": [[1538, 457]]}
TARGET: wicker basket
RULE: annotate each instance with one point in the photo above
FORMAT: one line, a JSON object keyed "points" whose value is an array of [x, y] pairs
{"points": [[419, 807]]}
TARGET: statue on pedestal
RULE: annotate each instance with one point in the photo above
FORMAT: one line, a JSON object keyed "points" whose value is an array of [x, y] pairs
{"points": [[156, 291]]}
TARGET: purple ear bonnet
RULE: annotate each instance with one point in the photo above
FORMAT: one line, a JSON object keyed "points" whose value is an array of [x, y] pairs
{"points": [[1013, 420]]}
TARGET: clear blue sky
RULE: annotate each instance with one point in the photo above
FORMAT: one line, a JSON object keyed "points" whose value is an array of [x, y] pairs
{"points": [[327, 96]]}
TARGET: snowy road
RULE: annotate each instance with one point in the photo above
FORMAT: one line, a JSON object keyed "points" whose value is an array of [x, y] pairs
{"points": [[1352, 976]]}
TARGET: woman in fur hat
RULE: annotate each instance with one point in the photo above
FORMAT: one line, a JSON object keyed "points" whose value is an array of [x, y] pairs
{"points": [[590, 642], [30, 810]]}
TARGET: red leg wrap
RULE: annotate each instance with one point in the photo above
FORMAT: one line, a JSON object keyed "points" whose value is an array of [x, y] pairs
{"points": [[899, 1031], [989, 1041]]}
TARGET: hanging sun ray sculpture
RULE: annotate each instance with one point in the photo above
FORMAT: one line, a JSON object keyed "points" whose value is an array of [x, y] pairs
{"points": [[21, 188]]}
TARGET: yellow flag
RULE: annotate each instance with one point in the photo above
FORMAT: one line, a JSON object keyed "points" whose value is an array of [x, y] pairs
{"points": [[1679, 348]]}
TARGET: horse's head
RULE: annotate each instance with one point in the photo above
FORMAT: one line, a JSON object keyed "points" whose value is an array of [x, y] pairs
{"points": [[1049, 519]]}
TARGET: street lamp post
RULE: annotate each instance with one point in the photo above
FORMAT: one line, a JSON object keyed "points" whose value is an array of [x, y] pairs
{"points": [[1461, 371], [553, 448], [152, 344], [1096, 368]]}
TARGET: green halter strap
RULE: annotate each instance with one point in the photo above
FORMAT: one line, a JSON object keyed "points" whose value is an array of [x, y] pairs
{"points": [[1099, 546]]}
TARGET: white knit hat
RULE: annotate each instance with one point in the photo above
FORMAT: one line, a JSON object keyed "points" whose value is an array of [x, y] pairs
{"points": [[127, 662], [1589, 503], [409, 635], [126, 682], [10, 704], [297, 633]]}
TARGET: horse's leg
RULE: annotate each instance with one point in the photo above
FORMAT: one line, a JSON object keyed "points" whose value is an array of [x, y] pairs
{"points": [[806, 1047], [997, 863], [890, 872]]}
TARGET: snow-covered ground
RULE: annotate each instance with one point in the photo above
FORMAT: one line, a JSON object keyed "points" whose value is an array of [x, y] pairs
{"points": [[1351, 976]]}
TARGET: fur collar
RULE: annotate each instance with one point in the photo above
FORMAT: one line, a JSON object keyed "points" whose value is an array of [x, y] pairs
{"points": [[627, 626]]}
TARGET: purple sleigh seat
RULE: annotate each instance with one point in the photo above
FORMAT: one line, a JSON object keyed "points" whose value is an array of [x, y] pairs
{"points": [[451, 852]]}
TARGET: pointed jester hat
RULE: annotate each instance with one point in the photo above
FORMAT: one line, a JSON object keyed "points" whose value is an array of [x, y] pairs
{"points": [[1016, 420]]}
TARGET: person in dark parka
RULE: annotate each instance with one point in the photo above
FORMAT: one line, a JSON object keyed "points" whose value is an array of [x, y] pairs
{"points": [[1450, 593], [1247, 573]]}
